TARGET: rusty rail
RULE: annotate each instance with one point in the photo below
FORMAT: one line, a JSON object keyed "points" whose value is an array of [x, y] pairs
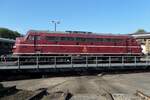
{"points": [[142, 95], [38, 95], [66, 95]]}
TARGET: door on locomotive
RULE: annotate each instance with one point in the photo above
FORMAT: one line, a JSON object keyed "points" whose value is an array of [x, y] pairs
{"points": [[36, 41]]}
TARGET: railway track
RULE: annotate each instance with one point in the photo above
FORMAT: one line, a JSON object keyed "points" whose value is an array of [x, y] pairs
{"points": [[10, 93], [142, 95], [42, 93], [38, 95]]}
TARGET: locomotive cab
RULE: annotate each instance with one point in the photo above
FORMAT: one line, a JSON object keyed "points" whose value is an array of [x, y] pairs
{"points": [[27, 45]]}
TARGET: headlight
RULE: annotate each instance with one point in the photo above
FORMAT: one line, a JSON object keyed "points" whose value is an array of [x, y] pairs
{"points": [[14, 46]]}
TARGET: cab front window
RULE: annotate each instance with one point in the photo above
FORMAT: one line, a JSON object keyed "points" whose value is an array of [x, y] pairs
{"points": [[31, 38], [35, 37]]}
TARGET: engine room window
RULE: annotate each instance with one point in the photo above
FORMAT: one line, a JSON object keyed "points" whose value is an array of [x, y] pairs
{"points": [[118, 40], [67, 38], [99, 39], [52, 38], [38, 37], [88, 39], [70, 38], [83, 39], [80, 39]]}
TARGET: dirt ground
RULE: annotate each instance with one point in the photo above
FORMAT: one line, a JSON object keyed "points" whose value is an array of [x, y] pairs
{"points": [[90, 87], [20, 95]]}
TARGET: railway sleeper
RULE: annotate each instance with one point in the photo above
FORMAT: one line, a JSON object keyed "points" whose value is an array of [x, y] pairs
{"points": [[59, 95]]}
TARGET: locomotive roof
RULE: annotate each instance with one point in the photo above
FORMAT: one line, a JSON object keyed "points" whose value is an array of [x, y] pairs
{"points": [[76, 32]]}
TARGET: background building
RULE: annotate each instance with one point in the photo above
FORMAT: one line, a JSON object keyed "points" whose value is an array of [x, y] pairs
{"points": [[144, 39]]}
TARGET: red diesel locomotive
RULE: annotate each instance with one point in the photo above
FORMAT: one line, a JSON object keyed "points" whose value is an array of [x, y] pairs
{"points": [[75, 43]]}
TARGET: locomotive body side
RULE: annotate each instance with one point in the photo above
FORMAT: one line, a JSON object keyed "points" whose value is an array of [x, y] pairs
{"points": [[56, 43]]}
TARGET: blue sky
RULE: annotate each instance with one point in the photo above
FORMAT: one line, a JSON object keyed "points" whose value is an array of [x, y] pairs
{"points": [[100, 16]]}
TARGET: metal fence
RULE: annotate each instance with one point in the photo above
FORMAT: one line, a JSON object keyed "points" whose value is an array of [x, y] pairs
{"points": [[37, 62]]}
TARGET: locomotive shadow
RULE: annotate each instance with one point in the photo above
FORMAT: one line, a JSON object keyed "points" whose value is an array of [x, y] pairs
{"points": [[11, 76]]}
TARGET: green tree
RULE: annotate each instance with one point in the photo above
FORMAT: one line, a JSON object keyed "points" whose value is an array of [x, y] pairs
{"points": [[7, 33], [140, 31]]}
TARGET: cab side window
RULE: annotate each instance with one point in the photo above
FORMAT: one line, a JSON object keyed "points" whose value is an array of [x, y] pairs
{"points": [[37, 37]]}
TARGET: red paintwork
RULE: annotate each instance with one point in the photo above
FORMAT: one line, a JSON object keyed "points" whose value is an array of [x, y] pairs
{"points": [[128, 45]]}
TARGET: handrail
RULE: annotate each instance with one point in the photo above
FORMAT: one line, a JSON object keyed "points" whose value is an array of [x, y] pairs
{"points": [[96, 61]]}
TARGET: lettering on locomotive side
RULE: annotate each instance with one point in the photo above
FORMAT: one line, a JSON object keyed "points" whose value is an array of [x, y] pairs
{"points": [[84, 50]]}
